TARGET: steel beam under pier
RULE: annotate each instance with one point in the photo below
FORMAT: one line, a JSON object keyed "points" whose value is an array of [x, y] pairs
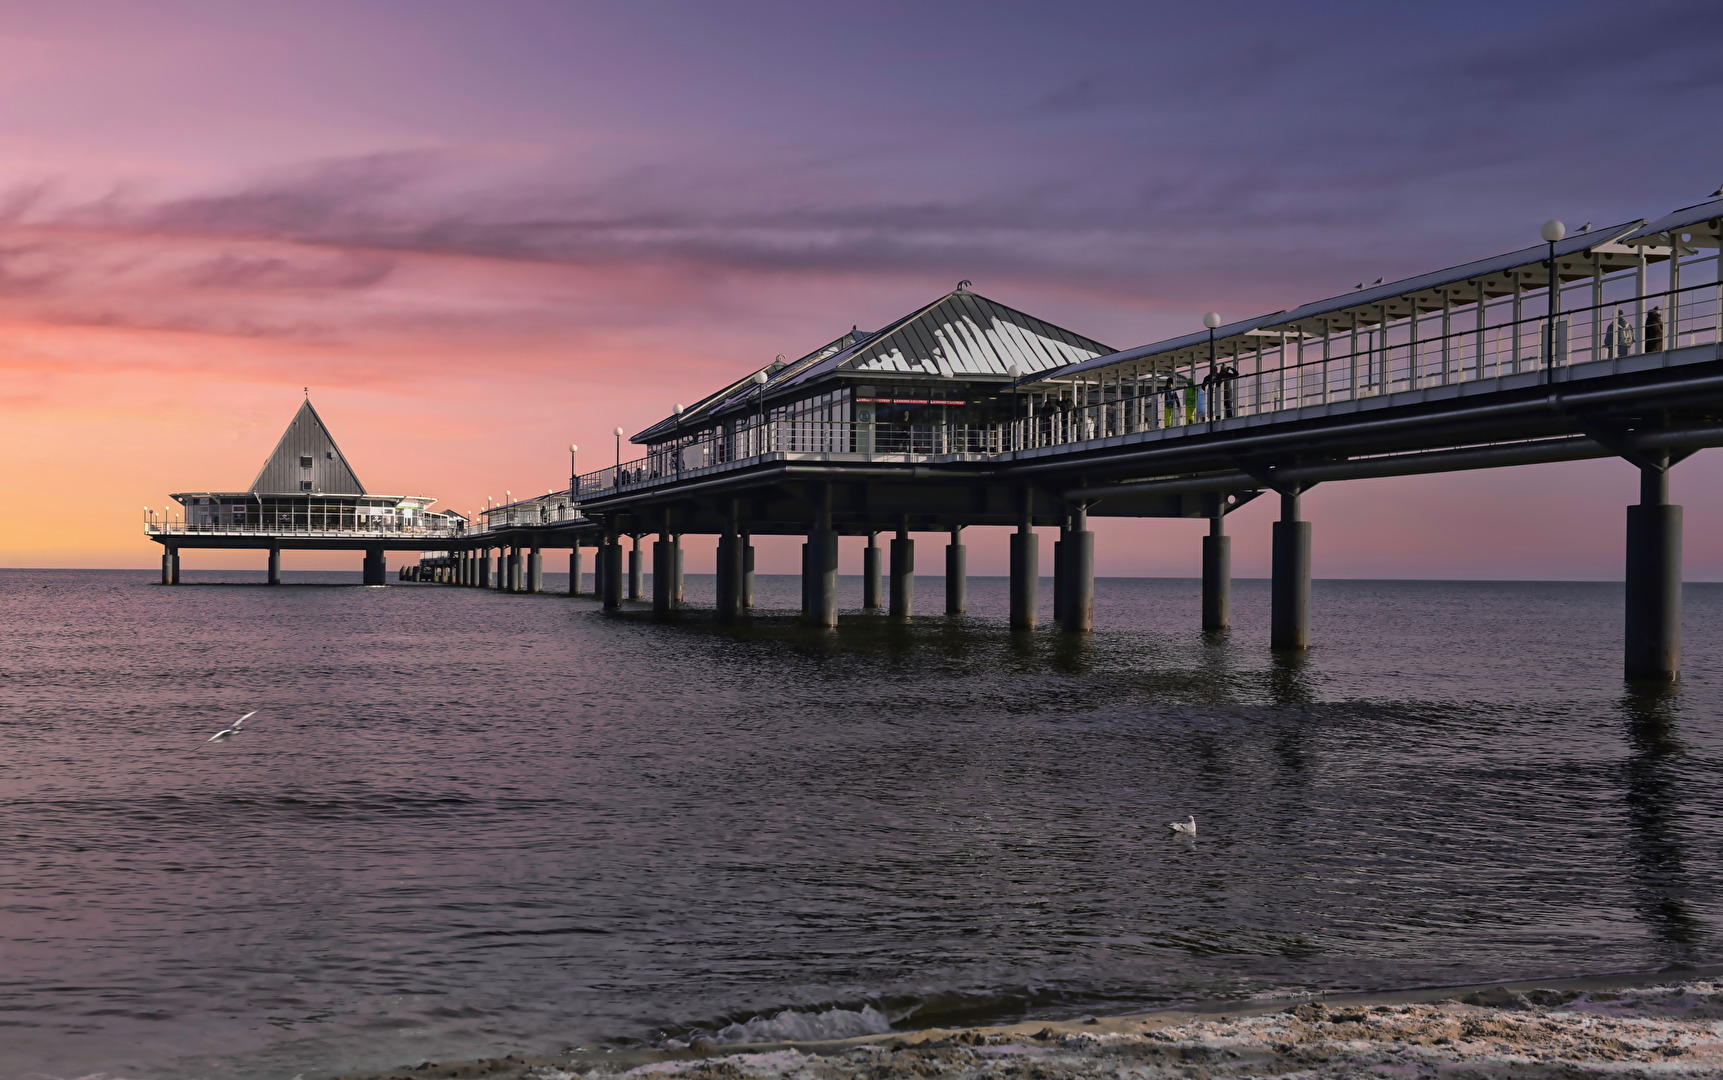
{"points": [[535, 570], [636, 571], [1217, 571], [275, 566], [902, 574], [376, 570], [1079, 616], [871, 573], [1289, 600], [1653, 641], [956, 574]]}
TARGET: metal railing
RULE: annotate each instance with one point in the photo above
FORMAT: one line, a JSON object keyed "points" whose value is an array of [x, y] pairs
{"points": [[155, 526], [1383, 358]]}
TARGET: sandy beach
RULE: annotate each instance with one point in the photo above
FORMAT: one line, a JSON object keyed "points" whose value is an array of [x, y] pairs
{"points": [[1665, 1024]]}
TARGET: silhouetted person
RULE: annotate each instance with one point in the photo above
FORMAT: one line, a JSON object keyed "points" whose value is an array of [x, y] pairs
{"points": [[1654, 330], [1224, 379]]}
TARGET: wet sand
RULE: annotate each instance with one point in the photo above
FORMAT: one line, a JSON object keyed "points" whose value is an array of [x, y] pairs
{"points": [[1663, 1024]]}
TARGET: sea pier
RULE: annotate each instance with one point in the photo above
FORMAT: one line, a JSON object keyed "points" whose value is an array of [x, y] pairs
{"points": [[969, 414]]}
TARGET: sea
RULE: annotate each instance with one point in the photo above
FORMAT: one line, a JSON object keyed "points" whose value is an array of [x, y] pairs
{"points": [[464, 823]]}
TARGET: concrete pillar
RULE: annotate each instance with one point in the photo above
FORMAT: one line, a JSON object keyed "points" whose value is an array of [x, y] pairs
{"points": [[1079, 575], [1025, 582], [747, 572], [275, 566], [956, 574], [376, 567], [1059, 548], [1653, 640], [1289, 601], [174, 565], [663, 576], [484, 561], [502, 569], [515, 582], [1217, 573], [535, 570], [167, 565], [871, 573], [730, 575], [598, 567], [636, 571], [902, 574], [676, 592], [574, 582], [823, 582], [613, 573]]}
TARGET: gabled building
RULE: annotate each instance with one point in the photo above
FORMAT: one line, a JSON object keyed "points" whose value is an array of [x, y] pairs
{"points": [[954, 362], [306, 484]]}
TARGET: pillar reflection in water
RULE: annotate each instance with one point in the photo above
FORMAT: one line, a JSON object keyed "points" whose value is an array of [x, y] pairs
{"points": [[1651, 790]]}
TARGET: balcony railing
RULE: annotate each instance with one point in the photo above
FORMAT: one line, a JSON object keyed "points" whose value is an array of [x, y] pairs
{"points": [[154, 525]]}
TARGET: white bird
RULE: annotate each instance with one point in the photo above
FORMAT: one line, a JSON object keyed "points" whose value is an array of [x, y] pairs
{"points": [[1187, 827], [228, 733]]}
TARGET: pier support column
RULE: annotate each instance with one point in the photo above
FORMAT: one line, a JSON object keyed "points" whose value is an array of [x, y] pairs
{"points": [[168, 556], [730, 577], [502, 569], [663, 576], [871, 573], [1289, 602], [574, 582], [612, 556], [1217, 571], [1025, 571], [514, 569], [1653, 641], [636, 571], [902, 574], [376, 567], [821, 578], [484, 563], [535, 570], [1079, 575], [956, 574], [676, 590], [275, 566], [174, 566], [1059, 575], [747, 572]]}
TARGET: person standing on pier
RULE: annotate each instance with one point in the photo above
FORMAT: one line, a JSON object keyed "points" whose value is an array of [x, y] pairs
{"points": [[1654, 330]]}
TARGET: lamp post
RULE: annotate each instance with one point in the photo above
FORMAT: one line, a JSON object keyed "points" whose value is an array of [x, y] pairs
{"points": [[760, 380], [573, 472], [1211, 319], [1552, 231], [618, 434], [678, 442]]}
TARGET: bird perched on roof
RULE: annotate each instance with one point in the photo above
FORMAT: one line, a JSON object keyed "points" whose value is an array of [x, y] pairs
{"points": [[1189, 828], [1378, 281], [1718, 194], [1586, 227], [224, 735]]}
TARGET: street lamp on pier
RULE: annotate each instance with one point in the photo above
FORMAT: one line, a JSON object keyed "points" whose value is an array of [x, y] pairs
{"points": [[1211, 319], [618, 455], [678, 441], [1552, 231], [760, 380], [573, 472]]}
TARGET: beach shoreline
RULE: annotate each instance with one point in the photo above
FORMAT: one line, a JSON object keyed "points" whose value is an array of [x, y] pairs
{"points": [[1646, 1023]]}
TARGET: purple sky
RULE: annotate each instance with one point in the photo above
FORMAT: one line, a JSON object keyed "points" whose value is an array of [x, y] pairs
{"points": [[483, 231]]}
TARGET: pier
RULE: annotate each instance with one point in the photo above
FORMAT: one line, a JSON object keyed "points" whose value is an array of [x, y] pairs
{"points": [[969, 414]]}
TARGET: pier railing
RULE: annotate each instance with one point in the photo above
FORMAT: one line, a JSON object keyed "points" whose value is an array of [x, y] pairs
{"points": [[1286, 371], [155, 525]]}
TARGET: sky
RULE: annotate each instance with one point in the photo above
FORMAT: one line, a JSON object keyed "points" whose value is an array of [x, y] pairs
{"points": [[481, 232]]}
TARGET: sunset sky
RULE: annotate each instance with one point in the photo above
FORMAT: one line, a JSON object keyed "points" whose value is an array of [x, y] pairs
{"points": [[479, 232]]}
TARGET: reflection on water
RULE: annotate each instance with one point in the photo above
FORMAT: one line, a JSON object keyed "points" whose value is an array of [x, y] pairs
{"points": [[466, 823]]}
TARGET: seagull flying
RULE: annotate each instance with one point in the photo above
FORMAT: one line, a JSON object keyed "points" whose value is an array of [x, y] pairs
{"points": [[228, 733], [1189, 828]]}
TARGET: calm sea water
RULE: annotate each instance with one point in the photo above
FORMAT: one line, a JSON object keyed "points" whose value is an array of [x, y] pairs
{"points": [[466, 823]]}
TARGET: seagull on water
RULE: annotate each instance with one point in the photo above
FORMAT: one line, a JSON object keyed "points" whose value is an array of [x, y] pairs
{"points": [[1189, 828], [224, 735]]}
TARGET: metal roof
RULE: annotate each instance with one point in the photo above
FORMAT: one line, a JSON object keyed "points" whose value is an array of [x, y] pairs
{"points": [[306, 437], [1162, 350], [1709, 211], [961, 335]]}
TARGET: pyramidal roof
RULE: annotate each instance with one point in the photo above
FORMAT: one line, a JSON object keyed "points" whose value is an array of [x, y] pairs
{"points": [[306, 454], [960, 335]]}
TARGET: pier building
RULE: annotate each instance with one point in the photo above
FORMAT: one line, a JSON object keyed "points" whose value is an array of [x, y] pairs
{"points": [[306, 496]]}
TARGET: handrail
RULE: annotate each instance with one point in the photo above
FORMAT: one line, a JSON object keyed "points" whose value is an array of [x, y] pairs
{"points": [[1393, 358]]}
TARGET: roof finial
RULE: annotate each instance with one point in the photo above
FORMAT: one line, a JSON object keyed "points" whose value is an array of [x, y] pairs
{"points": [[964, 284]]}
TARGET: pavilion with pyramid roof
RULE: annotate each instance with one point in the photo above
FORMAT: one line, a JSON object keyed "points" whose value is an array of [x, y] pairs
{"points": [[307, 496]]}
